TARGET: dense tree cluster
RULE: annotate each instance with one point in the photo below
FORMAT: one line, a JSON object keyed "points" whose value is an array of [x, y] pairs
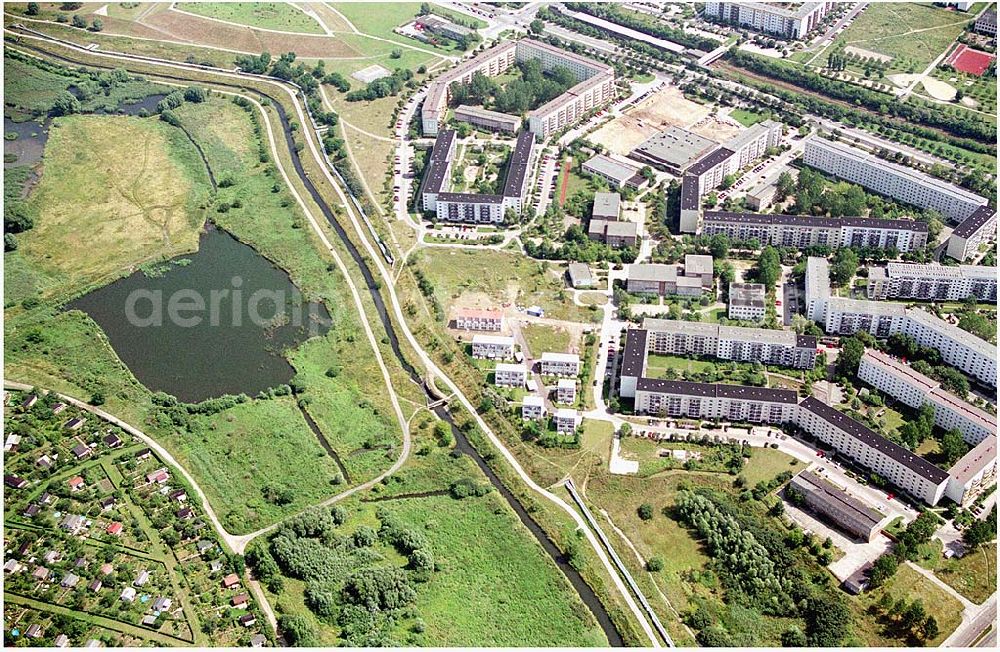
{"points": [[578, 247], [918, 532], [636, 21], [383, 87], [532, 89], [927, 360]]}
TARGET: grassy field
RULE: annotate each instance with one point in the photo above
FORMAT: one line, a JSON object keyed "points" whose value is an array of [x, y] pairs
{"points": [[381, 18], [765, 463], [269, 15], [240, 452], [906, 583], [658, 364], [142, 187], [30, 88], [974, 575], [542, 338], [745, 117], [502, 277], [914, 36], [496, 588]]}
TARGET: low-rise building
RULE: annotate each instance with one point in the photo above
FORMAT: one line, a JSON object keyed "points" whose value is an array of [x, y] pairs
{"points": [[835, 504], [931, 282], [607, 206], [479, 320], [580, 276], [618, 174], [532, 408], [700, 266], [560, 364], [510, 375], [492, 347], [566, 391], [900, 381], [747, 301], [614, 234], [664, 280], [492, 120], [566, 420]]}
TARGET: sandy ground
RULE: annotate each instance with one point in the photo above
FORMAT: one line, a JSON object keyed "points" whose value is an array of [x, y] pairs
{"points": [[901, 79], [939, 90], [666, 108]]}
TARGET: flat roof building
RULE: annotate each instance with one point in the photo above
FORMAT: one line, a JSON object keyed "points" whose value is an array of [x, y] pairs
{"points": [[835, 504], [674, 149], [976, 471], [978, 228], [791, 20], [932, 282], [618, 174], [607, 206], [580, 276], [817, 287], [492, 120], [747, 301]]}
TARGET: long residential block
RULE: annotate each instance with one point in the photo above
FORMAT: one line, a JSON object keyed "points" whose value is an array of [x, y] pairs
{"points": [[803, 231], [890, 179], [774, 347], [786, 19], [932, 282], [976, 471], [900, 381]]}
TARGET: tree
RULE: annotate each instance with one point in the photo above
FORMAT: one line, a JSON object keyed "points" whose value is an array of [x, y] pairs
{"points": [[32, 9], [396, 54], [79, 21], [953, 447], [65, 104], [536, 26], [931, 629], [768, 269], [718, 245], [844, 266], [785, 185], [195, 94], [654, 564], [851, 351], [297, 630], [883, 568], [97, 25], [914, 614], [9, 242], [645, 511], [793, 637]]}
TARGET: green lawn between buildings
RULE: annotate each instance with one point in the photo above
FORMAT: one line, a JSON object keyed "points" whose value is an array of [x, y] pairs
{"points": [[745, 117]]}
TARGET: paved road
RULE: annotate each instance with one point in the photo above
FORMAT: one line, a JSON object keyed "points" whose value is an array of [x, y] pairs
{"points": [[984, 619]]}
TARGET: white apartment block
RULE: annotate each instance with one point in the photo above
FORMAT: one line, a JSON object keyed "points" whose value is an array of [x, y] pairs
{"points": [[958, 348], [493, 347], [817, 287], [566, 391], [567, 419], [932, 282], [784, 19], [469, 207], [890, 179], [775, 347], [972, 233], [747, 301], [976, 471], [533, 408], [736, 403], [560, 364], [899, 466], [900, 381], [479, 320], [803, 231], [510, 375]]}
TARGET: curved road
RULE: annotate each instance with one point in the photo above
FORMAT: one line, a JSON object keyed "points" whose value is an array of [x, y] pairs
{"points": [[387, 281]]}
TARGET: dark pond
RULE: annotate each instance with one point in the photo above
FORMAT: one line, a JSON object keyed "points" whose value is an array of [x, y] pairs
{"points": [[148, 103], [29, 145], [210, 323]]}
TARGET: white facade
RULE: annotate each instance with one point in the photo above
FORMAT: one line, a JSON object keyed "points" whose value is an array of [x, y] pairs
{"points": [[778, 18], [900, 381], [976, 471], [510, 375], [566, 420], [803, 231], [491, 63], [747, 301], [681, 399], [492, 347], [533, 408], [959, 348], [849, 316], [777, 347], [817, 287], [479, 320], [560, 364], [566, 391], [969, 236], [932, 282], [896, 181]]}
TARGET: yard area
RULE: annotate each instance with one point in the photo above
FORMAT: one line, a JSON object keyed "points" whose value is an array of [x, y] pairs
{"points": [[974, 575], [542, 338], [269, 15], [745, 117], [657, 365]]}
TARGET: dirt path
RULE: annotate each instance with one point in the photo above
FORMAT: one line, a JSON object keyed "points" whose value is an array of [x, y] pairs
{"points": [[565, 183]]}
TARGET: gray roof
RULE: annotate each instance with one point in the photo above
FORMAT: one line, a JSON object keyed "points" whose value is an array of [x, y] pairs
{"points": [[651, 272], [835, 503], [810, 221], [579, 274], [952, 332], [861, 307], [747, 294], [609, 167], [698, 264], [910, 460], [607, 205], [974, 222], [480, 112], [718, 390], [675, 147], [517, 167], [438, 163]]}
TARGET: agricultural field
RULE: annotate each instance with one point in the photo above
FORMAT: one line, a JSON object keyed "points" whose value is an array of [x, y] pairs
{"points": [[279, 16], [98, 528]]}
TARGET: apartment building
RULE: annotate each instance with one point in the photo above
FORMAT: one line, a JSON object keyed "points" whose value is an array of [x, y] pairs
{"points": [[932, 282], [987, 23], [958, 348], [900, 381], [510, 375], [773, 347], [747, 301], [690, 202], [978, 228], [560, 364], [899, 182], [817, 287], [899, 466], [492, 120], [492, 62], [566, 391], [801, 231], [682, 399], [700, 266], [976, 471], [475, 207], [566, 419], [493, 347], [618, 174], [490, 321], [532, 408], [785, 19]]}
